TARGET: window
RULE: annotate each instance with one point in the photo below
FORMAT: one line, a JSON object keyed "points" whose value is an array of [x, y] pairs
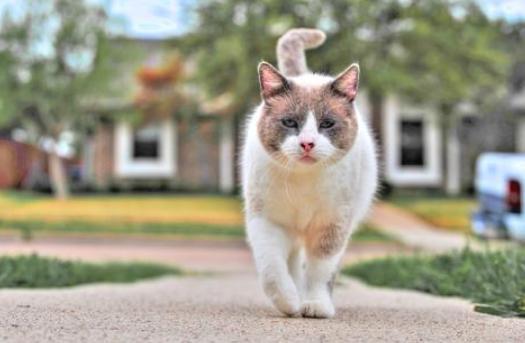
{"points": [[146, 152], [146, 143], [412, 143]]}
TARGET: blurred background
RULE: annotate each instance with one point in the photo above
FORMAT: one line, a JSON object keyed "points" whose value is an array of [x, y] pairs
{"points": [[120, 120]]}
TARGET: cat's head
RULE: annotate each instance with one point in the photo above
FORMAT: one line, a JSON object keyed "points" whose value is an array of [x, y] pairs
{"points": [[308, 120]]}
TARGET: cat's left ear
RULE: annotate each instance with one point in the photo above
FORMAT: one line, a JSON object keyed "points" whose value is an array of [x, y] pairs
{"points": [[347, 82]]}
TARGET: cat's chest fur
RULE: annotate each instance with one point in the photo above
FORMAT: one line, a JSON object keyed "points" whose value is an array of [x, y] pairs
{"points": [[303, 202]]}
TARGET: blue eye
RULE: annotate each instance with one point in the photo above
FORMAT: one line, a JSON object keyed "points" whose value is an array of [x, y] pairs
{"points": [[289, 123], [327, 123]]}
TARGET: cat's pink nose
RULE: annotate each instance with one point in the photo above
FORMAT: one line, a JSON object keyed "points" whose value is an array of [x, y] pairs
{"points": [[307, 146]]}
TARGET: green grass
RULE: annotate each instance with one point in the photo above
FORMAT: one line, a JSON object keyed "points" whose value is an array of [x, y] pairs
{"points": [[493, 280], [451, 213], [126, 214], [40, 272], [192, 216], [21, 196], [30, 228], [152, 208], [367, 233]]}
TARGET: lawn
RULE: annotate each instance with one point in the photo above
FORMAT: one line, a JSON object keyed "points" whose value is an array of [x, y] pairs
{"points": [[451, 213], [491, 279], [367, 233], [186, 215], [212, 210], [42, 272], [196, 216]]}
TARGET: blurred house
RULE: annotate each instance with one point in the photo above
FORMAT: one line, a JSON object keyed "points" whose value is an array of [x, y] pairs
{"points": [[163, 134], [25, 166], [190, 143], [419, 151], [517, 103], [21, 164], [177, 140]]}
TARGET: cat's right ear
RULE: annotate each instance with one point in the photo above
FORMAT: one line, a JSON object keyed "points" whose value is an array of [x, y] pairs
{"points": [[347, 82], [272, 82]]}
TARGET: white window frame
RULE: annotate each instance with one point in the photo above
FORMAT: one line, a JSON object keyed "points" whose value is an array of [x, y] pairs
{"points": [[126, 166], [430, 174]]}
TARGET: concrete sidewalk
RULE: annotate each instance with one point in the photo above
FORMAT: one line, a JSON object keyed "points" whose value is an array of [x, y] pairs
{"points": [[232, 308], [413, 231], [228, 306]]}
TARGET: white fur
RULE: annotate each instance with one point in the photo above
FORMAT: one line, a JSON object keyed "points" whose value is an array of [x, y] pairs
{"points": [[284, 204], [309, 133]]}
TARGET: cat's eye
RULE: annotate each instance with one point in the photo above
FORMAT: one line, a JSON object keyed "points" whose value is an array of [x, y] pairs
{"points": [[326, 123], [289, 123]]}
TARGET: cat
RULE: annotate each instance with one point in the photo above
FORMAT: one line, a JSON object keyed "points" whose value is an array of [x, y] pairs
{"points": [[309, 175]]}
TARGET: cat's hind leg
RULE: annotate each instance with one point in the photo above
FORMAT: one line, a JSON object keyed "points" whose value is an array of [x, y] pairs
{"points": [[271, 248]]}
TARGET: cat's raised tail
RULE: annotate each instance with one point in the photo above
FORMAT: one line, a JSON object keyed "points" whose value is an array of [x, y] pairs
{"points": [[291, 47]]}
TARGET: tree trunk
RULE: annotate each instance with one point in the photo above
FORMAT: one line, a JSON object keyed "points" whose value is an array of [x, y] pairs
{"points": [[58, 178]]}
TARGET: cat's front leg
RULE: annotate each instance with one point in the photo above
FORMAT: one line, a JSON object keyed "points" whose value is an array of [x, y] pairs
{"points": [[324, 249], [271, 248]]}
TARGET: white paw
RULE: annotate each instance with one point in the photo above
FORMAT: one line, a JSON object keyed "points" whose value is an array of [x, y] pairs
{"points": [[318, 308], [284, 297]]}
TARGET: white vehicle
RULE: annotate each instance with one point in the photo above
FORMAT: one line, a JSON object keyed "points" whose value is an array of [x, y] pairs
{"points": [[500, 186]]}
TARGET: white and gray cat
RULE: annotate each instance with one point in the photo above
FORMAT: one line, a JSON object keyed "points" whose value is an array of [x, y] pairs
{"points": [[309, 175]]}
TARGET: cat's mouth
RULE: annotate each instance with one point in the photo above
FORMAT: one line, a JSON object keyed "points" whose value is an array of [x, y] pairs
{"points": [[308, 159]]}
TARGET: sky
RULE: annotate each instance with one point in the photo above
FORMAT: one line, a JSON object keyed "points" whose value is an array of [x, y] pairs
{"points": [[156, 19], [150, 18], [160, 18], [511, 10], [137, 18]]}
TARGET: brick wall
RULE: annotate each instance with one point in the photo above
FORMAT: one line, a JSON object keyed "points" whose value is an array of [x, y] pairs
{"points": [[198, 154]]}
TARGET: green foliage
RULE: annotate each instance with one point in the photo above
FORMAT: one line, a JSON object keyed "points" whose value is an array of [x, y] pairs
{"points": [[418, 49], [515, 38], [42, 272], [56, 58], [57, 63], [493, 280]]}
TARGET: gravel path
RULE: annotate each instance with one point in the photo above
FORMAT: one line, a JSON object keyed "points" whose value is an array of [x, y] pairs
{"points": [[231, 308]]}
